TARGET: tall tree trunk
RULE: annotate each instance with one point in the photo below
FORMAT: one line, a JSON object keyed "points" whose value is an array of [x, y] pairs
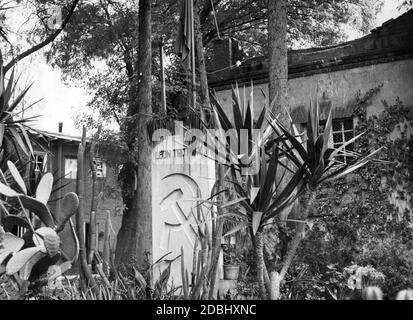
{"points": [[203, 79], [94, 202], [277, 280], [134, 241], [277, 55], [259, 251], [217, 232], [278, 89], [86, 278], [295, 242]]}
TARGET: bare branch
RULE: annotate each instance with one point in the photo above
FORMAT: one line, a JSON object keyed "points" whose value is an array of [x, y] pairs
{"points": [[43, 43]]}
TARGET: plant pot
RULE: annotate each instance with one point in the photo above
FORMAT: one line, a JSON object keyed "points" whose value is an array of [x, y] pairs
{"points": [[231, 272]]}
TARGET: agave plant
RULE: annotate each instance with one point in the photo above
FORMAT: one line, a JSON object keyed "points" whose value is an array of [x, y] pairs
{"points": [[36, 257], [14, 130], [321, 162], [286, 168], [16, 137], [266, 191]]}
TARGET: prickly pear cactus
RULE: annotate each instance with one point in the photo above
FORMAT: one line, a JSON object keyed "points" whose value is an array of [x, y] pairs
{"points": [[37, 257], [52, 244]]}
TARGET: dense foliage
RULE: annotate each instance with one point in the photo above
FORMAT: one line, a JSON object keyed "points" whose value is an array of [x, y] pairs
{"points": [[356, 221], [99, 47], [358, 236]]}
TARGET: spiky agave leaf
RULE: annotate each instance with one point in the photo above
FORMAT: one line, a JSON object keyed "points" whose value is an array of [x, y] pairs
{"points": [[261, 193], [238, 227], [321, 161], [14, 129]]}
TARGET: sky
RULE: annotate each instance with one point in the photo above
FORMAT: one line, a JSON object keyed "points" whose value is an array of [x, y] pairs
{"points": [[60, 102], [389, 11]]}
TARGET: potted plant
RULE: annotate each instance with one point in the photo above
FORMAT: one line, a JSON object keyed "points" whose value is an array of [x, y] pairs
{"points": [[232, 259]]}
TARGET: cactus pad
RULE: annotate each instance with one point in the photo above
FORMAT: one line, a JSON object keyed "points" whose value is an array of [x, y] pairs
{"points": [[38, 208]]}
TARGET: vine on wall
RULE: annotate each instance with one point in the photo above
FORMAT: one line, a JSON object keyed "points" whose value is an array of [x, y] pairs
{"points": [[371, 185], [391, 129], [356, 221]]}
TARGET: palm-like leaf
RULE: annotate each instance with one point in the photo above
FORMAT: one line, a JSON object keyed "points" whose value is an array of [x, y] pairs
{"points": [[14, 130], [322, 162], [262, 195], [243, 126], [313, 161]]}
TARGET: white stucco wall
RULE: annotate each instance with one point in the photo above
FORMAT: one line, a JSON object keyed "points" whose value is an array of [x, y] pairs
{"points": [[340, 87]]}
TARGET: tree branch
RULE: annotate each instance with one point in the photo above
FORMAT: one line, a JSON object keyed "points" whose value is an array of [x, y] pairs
{"points": [[43, 43], [211, 34], [124, 46]]}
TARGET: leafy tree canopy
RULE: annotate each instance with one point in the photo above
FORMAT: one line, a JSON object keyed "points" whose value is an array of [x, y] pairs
{"points": [[98, 47]]}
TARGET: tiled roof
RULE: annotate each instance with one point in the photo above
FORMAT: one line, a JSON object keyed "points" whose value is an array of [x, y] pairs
{"points": [[55, 136]]}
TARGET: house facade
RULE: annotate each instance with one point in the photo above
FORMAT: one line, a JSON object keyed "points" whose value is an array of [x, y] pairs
{"points": [[58, 155], [336, 74], [378, 65]]}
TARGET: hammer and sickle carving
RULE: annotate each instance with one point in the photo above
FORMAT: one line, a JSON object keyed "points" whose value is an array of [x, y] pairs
{"points": [[179, 225]]}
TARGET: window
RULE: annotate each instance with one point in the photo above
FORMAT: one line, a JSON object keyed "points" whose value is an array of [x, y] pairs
{"points": [[342, 131], [40, 161], [100, 168], [70, 168]]}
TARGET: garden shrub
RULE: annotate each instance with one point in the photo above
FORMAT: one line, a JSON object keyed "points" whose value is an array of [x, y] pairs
{"points": [[355, 222]]}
